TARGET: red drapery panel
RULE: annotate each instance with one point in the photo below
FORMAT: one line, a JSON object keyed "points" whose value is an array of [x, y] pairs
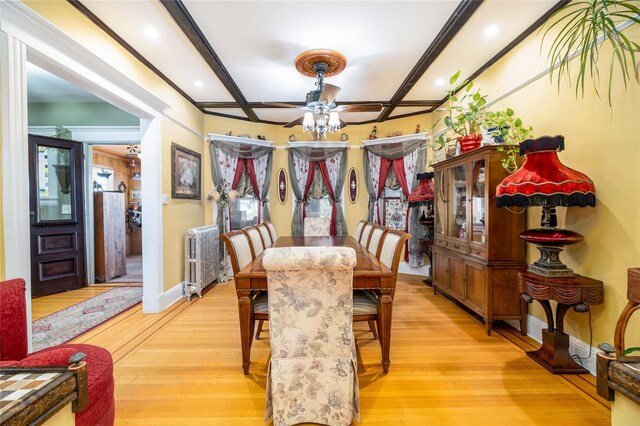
{"points": [[238, 175], [398, 169], [254, 183], [325, 176]]}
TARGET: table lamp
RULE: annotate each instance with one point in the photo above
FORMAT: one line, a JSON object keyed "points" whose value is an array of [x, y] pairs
{"points": [[544, 181]]}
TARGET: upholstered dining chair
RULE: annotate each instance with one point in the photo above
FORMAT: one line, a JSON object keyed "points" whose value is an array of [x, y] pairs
{"points": [[264, 233], [312, 374], [241, 253], [366, 233], [317, 227], [256, 240], [375, 238], [365, 302], [359, 228], [272, 230]]}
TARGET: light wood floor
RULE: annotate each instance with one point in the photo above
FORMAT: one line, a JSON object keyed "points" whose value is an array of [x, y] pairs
{"points": [[184, 367]]}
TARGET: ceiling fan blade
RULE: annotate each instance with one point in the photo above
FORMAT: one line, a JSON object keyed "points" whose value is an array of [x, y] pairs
{"points": [[361, 108], [329, 92], [294, 122], [281, 104], [343, 124]]}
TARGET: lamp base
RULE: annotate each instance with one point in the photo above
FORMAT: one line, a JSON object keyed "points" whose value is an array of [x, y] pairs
{"points": [[549, 264]]}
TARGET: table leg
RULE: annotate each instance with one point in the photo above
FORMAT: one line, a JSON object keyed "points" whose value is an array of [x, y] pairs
{"points": [[549, 314], [385, 306], [244, 310]]}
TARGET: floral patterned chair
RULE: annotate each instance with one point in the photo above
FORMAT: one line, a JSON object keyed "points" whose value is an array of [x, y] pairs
{"points": [[264, 233], [313, 369], [317, 227], [241, 253]]}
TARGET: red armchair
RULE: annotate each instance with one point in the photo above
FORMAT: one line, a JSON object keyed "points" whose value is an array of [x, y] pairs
{"points": [[100, 410]]}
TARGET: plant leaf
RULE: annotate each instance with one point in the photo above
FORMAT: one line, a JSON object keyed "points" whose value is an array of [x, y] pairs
{"points": [[454, 78]]}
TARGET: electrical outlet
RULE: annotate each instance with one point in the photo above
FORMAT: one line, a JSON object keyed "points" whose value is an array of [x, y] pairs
{"points": [[165, 199]]}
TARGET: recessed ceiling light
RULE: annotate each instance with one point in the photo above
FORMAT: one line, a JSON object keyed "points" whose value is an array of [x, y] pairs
{"points": [[152, 33], [490, 31], [198, 83], [440, 82]]}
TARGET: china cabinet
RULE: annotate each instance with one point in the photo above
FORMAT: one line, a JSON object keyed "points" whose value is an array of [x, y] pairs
{"points": [[477, 251]]}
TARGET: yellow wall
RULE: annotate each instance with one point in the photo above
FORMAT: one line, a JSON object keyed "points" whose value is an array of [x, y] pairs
{"points": [[281, 214], [603, 143], [178, 215]]}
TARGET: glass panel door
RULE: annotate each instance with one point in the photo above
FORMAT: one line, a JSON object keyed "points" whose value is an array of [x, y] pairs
{"points": [[55, 178], [457, 199], [441, 206], [478, 201]]}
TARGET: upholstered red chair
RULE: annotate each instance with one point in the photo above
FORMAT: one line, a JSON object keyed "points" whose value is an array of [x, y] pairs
{"points": [[100, 410]]}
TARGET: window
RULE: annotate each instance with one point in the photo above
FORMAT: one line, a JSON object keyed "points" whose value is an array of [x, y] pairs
{"points": [[395, 209], [243, 212], [320, 207]]}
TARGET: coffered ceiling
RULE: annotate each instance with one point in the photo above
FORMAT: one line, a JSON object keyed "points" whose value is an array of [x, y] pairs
{"points": [[228, 57]]}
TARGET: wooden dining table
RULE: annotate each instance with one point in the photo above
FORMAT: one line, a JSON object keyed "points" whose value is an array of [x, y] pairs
{"points": [[369, 273]]}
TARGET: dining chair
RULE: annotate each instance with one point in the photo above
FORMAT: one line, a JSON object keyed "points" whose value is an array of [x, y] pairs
{"points": [[256, 240], [241, 253], [366, 233], [317, 227], [359, 228], [365, 302], [272, 231], [312, 375], [374, 238], [264, 233]]}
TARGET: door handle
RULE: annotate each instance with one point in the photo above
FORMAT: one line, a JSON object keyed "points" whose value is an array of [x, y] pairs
{"points": [[32, 215]]}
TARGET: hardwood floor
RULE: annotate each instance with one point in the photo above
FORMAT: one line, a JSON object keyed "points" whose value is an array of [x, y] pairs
{"points": [[184, 367]]}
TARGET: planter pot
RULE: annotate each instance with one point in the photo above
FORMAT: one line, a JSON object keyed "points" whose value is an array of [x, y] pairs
{"points": [[469, 142]]}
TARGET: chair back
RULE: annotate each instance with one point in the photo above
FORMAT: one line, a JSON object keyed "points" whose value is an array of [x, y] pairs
{"points": [[255, 238], [317, 227], [312, 343], [375, 238], [392, 243], [239, 248], [264, 233], [272, 231], [359, 228], [366, 233], [13, 320]]}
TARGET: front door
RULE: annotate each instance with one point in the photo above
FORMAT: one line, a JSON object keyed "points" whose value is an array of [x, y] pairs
{"points": [[57, 220]]}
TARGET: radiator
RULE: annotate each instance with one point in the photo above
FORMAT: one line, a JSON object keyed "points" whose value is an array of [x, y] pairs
{"points": [[202, 259]]}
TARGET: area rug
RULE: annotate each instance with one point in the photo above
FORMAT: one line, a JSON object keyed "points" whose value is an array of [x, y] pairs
{"points": [[64, 325]]}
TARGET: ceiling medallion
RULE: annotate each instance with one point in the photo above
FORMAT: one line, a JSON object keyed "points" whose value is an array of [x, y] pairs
{"points": [[307, 62]]}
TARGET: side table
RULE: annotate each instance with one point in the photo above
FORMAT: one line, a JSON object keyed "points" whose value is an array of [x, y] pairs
{"points": [[578, 292]]}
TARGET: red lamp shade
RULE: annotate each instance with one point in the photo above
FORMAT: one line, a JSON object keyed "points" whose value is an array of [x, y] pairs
{"points": [[544, 181], [424, 191]]}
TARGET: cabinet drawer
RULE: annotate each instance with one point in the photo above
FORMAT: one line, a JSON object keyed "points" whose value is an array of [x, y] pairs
{"points": [[478, 252], [461, 246]]}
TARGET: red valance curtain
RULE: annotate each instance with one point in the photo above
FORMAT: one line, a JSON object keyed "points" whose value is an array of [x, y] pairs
{"points": [[251, 171], [324, 172]]}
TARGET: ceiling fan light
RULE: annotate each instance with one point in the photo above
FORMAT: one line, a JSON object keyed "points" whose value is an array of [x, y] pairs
{"points": [[334, 121]]}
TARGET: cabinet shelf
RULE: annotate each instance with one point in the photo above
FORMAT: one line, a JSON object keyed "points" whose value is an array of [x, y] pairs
{"points": [[477, 251]]}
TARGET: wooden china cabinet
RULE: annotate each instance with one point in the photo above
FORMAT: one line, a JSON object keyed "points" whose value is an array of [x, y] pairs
{"points": [[477, 251]]}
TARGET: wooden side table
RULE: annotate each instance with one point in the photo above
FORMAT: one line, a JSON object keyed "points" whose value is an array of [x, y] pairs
{"points": [[578, 292]]}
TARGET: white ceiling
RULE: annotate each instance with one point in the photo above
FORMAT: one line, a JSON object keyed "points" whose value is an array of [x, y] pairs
{"points": [[258, 41]]}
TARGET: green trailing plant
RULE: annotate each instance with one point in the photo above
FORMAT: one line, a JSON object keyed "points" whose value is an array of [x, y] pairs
{"points": [[582, 25], [630, 350], [506, 128], [465, 112]]}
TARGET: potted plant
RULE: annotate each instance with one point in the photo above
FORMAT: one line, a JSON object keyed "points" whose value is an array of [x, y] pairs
{"points": [[465, 114], [583, 25], [505, 127]]}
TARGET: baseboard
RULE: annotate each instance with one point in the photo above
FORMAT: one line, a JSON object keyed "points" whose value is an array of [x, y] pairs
{"points": [[171, 296], [576, 346], [404, 268]]}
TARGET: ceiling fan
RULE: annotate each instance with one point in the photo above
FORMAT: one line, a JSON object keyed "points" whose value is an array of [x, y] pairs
{"points": [[321, 111]]}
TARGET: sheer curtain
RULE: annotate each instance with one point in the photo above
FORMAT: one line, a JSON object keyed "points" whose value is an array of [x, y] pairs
{"points": [[332, 165]]}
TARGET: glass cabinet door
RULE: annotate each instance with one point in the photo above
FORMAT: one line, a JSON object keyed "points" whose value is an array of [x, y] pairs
{"points": [[441, 206], [457, 199], [478, 202]]}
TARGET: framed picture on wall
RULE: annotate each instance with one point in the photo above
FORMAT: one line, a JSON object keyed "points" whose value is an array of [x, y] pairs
{"points": [[185, 173]]}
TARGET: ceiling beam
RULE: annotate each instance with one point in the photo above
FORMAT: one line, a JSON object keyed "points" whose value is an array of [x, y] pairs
{"points": [[185, 21], [104, 27], [460, 16], [259, 105]]}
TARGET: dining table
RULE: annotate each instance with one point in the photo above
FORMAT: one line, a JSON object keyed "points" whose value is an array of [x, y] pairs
{"points": [[369, 273]]}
